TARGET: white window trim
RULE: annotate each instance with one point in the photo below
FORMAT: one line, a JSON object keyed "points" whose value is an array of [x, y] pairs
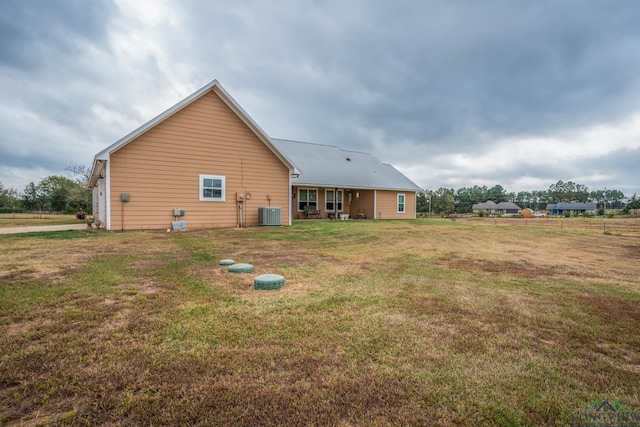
{"points": [[335, 202], [212, 199], [298, 197], [404, 203]]}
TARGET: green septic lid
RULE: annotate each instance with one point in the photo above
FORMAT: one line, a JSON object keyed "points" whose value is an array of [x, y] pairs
{"points": [[241, 268], [268, 282], [227, 262]]}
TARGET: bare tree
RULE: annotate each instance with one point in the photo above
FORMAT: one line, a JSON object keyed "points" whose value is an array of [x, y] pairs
{"points": [[80, 173]]}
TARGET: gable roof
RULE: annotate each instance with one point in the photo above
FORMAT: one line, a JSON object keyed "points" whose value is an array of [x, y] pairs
{"points": [[330, 166], [213, 86], [489, 204], [507, 205]]}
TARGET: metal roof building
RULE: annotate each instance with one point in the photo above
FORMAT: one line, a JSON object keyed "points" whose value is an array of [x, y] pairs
{"points": [[491, 206], [572, 207], [330, 166]]}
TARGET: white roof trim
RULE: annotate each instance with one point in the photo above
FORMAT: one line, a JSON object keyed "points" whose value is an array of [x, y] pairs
{"points": [[226, 98]]}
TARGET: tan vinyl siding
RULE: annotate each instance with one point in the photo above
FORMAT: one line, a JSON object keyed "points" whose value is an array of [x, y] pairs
{"points": [[361, 206], [362, 203], [161, 171], [387, 205]]}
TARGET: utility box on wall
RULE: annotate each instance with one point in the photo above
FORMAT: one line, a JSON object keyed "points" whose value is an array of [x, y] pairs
{"points": [[269, 216], [178, 212]]}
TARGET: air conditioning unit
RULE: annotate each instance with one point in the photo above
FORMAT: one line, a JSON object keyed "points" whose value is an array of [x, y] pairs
{"points": [[269, 216]]}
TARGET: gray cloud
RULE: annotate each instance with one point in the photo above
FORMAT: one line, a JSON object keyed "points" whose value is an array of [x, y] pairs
{"points": [[408, 81], [31, 33]]}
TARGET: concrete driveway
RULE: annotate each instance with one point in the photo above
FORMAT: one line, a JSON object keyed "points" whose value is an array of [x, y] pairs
{"points": [[15, 230]]}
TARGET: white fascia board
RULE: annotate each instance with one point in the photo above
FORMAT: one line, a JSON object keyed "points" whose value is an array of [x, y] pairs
{"points": [[226, 98], [96, 170], [351, 187]]}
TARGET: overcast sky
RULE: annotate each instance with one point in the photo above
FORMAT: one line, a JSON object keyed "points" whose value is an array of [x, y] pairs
{"points": [[453, 93]]}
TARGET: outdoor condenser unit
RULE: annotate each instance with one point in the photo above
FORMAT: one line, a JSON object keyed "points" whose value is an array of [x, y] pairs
{"points": [[269, 216]]}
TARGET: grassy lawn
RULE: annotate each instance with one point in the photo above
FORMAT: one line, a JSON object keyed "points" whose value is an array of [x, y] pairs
{"points": [[379, 323], [29, 220]]}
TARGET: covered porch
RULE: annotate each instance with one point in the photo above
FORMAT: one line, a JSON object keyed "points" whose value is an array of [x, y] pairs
{"points": [[332, 203]]}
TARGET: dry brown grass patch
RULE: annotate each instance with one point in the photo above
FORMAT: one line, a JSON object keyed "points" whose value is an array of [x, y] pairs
{"points": [[379, 323]]}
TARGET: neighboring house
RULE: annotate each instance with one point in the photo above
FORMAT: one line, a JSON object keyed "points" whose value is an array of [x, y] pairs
{"points": [[573, 208], [502, 208], [339, 182], [205, 156]]}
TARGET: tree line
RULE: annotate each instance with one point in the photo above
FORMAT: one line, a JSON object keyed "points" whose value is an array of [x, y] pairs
{"points": [[70, 194], [446, 201], [57, 193]]}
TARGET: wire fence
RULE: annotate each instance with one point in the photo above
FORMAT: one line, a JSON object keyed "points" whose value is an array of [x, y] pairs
{"points": [[32, 215], [628, 226]]}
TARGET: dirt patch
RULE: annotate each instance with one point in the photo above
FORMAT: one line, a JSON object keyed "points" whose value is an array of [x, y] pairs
{"points": [[613, 310], [517, 268], [272, 254], [146, 286]]}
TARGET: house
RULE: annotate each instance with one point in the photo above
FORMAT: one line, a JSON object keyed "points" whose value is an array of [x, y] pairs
{"points": [[338, 182], [207, 162], [572, 208], [502, 208]]}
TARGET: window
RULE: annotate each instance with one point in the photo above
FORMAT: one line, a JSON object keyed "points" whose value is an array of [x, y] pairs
{"points": [[401, 203], [212, 188], [330, 201], [307, 197]]}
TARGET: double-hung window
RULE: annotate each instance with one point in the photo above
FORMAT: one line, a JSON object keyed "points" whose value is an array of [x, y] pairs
{"points": [[331, 203], [212, 188], [401, 203], [307, 197]]}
